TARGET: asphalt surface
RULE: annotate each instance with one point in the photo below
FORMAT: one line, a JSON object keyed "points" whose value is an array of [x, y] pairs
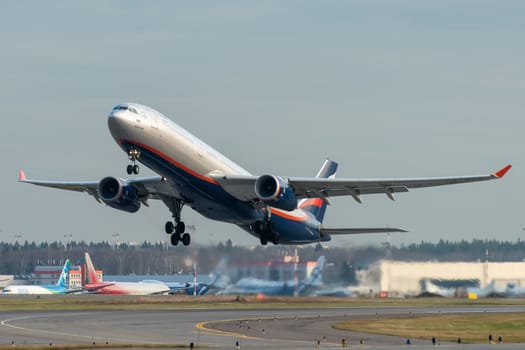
{"points": [[221, 329]]}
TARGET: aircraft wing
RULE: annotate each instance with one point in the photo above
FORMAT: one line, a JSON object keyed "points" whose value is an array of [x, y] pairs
{"points": [[150, 187], [243, 186]]}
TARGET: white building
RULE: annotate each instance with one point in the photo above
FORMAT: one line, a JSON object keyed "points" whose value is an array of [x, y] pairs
{"points": [[6, 280], [405, 278]]}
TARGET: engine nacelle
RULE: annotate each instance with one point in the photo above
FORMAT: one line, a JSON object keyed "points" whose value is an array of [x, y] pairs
{"points": [[275, 192], [118, 195]]}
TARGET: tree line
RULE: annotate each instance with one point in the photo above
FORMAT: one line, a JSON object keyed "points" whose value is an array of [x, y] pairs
{"points": [[159, 259]]}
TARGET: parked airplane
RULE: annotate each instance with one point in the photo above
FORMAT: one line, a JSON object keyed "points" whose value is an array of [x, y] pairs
{"points": [[61, 287], [187, 288], [285, 210], [96, 286], [489, 290], [251, 286], [514, 291], [215, 282], [431, 288]]}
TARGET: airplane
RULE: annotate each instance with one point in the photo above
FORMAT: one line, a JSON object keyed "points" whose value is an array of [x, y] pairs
{"points": [[432, 288], [514, 291], [187, 288], [95, 286], [252, 286], [60, 287], [277, 209], [489, 290], [217, 280]]}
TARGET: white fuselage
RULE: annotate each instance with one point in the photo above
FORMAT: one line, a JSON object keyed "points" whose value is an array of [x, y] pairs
{"points": [[130, 288], [28, 289], [181, 155], [154, 130]]}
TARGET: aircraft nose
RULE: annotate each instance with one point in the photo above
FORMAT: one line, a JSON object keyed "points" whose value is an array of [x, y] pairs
{"points": [[118, 122]]}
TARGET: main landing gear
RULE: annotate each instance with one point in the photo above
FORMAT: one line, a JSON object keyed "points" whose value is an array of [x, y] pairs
{"points": [[133, 155], [266, 231], [176, 229], [177, 233]]}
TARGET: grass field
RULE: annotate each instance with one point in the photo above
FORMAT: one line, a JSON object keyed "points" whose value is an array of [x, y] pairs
{"points": [[96, 346], [108, 302], [470, 328]]}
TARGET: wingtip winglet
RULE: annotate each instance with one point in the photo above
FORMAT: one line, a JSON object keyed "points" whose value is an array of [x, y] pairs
{"points": [[21, 175], [500, 173]]}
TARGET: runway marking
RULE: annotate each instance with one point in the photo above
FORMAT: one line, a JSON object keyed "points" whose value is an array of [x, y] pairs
{"points": [[202, 326], [5, 323]]}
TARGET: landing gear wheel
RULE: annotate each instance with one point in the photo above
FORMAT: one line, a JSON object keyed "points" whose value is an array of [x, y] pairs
{"points": [[133, 155], [176, 227], [259, 227], [175, 238], [264, 240], [180, 228], [169, 227], [186, 239]]}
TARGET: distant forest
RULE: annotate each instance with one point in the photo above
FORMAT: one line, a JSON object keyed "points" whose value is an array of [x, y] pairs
{"points": [[157, 258]]}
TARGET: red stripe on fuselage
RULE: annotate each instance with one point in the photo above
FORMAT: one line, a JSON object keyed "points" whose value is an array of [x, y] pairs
{"points": [[172, 161], [275, 211]]}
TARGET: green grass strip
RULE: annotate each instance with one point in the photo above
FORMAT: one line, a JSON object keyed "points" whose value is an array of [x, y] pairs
{"points": [[474, 329]]}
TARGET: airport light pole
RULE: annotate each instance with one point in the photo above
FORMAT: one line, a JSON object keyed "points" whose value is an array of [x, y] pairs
{"points": [[66, 241], [115, 240], [17, 238]]}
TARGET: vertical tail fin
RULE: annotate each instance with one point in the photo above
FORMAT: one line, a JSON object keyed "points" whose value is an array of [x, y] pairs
{"points": [[317, 206], [63, 280], [218, 277], [315, 279], [91, 275]]}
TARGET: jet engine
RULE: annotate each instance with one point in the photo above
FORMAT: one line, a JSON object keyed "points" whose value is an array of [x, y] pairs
{"points": [[118, 195], [275, 192]]}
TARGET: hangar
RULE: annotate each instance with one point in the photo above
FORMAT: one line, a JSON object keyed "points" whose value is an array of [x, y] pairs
{"points": [[403, 278]]}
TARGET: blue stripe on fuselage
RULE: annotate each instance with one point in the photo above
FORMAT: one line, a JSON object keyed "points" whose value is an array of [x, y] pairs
{"points": [[213, 202], [206, 197]]}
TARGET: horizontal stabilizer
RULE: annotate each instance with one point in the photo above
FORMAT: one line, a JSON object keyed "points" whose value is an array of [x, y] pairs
{"points": [[356, 231]]}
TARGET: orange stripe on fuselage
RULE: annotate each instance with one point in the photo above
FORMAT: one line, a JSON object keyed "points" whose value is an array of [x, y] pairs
{"points": [[172, 161], [288, 215], [317, 202]]}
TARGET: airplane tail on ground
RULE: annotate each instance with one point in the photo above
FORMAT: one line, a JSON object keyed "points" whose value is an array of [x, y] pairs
{"points": [[218, 277], [63, 280], [91, 274], [317, 206], [315, 279]]}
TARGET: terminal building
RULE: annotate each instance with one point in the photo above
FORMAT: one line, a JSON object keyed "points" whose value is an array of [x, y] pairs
{"points": [[49, 275]]}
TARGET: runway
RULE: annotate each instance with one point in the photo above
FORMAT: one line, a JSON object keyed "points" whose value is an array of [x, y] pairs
{"points": [[220, 329]]}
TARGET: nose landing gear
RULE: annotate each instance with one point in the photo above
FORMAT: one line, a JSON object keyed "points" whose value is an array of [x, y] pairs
{"points": [[133, 155]]}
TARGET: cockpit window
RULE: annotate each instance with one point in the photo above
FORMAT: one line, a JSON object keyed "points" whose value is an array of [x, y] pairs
{"points": [[125, 108]]}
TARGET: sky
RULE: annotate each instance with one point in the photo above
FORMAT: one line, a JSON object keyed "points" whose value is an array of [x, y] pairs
{"points": [[386, 88]]}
